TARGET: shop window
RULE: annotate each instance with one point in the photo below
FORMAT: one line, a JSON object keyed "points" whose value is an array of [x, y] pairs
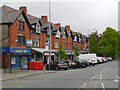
{"points": [[23, 40], [13, 60], [24, 62], [34, 41], [21, 25], [19, 40]]}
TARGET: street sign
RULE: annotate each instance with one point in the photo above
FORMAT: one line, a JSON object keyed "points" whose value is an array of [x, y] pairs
{"points": [[29, 42]]}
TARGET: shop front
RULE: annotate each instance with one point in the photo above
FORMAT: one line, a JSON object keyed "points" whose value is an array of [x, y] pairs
{"points": [[46, 57], [16, 57]]}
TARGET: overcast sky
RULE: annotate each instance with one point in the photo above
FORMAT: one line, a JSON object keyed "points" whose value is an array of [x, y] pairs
{"points": [[81, 15]]}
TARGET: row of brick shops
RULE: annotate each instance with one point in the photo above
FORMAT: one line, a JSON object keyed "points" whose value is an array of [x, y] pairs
{"points": [[26, 37]]}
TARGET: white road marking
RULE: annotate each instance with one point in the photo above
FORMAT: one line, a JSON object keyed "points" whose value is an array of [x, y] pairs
{"points": [[103, 86], [116, 80], [101, 72], [93, 77], [100, 77], [117, 77], [83, 85]]}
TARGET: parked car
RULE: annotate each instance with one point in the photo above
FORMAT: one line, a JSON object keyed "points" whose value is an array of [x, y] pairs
{"points": [[109, 58], [78, 65], [57, 65], [71, 64], [83, 63], [100, 59]]}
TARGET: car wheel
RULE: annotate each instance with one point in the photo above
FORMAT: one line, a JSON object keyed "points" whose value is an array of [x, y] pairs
{"points": [[65, 68], [57, 68]]}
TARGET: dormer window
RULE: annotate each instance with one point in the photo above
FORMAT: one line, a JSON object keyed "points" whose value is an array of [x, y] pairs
{"points": [[75, 39], [47, 32], [79, 39], [58, 34], [33, 26], [38, 28], [64, 35]]}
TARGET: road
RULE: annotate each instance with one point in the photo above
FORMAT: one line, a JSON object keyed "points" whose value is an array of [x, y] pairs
{"points": [[100, 76]]}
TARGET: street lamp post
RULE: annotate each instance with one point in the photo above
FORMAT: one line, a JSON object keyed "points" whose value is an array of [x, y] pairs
{"points": [[49, 36]]}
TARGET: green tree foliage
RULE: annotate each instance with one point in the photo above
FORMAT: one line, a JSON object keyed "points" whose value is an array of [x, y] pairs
{"points": [[109, 42], [93, 44], [61, 52], [77, 51]]}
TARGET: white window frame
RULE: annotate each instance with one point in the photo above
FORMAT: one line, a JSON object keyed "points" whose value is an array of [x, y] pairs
{"points": [[58, 34], [34, 41], [56, 45], [75, 38], [38, 42], [79, 39], [38, 28]]}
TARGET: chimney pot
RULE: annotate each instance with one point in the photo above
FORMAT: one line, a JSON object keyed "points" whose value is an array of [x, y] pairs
{"points": [[23, 8], [44, 18]]}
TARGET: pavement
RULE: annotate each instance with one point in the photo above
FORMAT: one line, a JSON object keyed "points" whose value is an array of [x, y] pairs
{"points": [[22, 73], [100, 76]]}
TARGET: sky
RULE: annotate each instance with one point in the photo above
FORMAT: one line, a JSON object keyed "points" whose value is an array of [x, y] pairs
{"points": [[82, 15]]}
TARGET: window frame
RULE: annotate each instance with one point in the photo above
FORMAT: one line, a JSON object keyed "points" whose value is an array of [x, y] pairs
{"points": [[18, 41], [21, 26], [34, 41], [22, 40]]}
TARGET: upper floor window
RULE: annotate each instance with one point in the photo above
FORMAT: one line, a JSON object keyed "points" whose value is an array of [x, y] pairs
{"points": [[21, 25], [69, 45], [38, 28], [19, 40], [58, 34], [79, 39], [23, 40], [75, 39], [56, 45], [34, 41], [64, 45], [48, 33], [38, 42]]}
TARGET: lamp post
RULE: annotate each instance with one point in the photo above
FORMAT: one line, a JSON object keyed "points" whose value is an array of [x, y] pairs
{"points": [[49, 36]]}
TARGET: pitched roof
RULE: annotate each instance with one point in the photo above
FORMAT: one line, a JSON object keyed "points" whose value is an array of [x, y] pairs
{"points": [[32, 19]]}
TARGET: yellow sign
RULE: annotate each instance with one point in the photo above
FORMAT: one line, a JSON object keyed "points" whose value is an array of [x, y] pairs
{"points": [[20, 51]]}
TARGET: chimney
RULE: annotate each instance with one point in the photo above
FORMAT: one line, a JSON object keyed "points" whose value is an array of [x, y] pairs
{"points": [[44, 18], [23, 8], [58, 24], [67, 27]]}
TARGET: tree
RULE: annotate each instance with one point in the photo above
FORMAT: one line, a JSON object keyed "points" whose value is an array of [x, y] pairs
{"points": [[77, 51], [61, 52], [93, 44], [109, 42]]}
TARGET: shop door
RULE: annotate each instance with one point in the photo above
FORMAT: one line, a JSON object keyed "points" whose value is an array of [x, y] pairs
{"points": [[24, 62]]}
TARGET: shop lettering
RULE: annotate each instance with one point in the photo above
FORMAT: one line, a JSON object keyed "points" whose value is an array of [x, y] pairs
{"points": [[20, 51], [3, 49]]}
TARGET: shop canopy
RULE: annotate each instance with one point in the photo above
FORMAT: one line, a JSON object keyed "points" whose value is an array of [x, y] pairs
{"points": [[42, 50]]}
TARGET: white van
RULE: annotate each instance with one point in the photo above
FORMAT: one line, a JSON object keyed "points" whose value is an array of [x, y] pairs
{"points": [[91, 58]]}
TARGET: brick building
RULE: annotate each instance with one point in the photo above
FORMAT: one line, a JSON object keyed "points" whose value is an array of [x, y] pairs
{"points": [[26, 38]]}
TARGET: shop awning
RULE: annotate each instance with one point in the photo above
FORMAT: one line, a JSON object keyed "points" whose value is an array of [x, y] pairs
{"points": [[38, 50], [43, 50]]}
